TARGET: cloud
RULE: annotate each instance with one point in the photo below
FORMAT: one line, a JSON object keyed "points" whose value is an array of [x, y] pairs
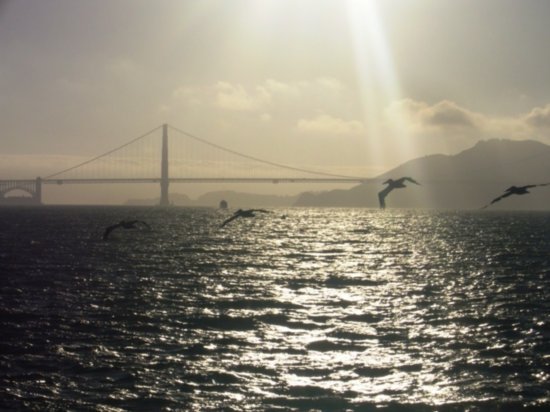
{"points": [[448, 119], [325, 124], [442, 116], [276, 88], [539, 118], [236, 97], [287, 104], [261, 97]]}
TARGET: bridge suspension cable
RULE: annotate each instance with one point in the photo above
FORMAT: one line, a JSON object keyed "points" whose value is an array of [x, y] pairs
{"points": [[267, 162], [109, 161], [104, 154]]}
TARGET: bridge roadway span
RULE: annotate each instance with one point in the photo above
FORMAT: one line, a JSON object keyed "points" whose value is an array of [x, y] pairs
{"points": [[211, 180], [34, 187]]}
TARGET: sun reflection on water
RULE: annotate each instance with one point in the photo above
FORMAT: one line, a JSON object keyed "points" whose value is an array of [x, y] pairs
{"points": [[344, 308]]}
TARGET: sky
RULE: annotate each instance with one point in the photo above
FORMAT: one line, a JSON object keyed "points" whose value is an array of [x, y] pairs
{"points": [[352, 87]]}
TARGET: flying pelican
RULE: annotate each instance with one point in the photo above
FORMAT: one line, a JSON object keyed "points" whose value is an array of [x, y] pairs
{"points": [[125, 224], [514, 190], [393, 184], [243, 213]]}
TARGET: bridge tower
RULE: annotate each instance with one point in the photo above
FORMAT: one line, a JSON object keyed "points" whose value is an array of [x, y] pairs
{"points": [[38, 191], [164, 180]]}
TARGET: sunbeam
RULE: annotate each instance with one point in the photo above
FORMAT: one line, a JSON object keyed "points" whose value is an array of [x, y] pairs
{"points": [[377, 78]]}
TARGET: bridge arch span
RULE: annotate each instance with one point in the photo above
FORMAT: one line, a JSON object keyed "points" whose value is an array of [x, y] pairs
{"points": [[4, 193], [32, 187]]}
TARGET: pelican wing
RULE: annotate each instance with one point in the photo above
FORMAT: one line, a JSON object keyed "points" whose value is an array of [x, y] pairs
{"points": [[128, 224], [381, 200], [410, 179], [508, 193], [109, 229], [131, 224], [382, 196], [260, 210], [516, 189], [235, 216]]}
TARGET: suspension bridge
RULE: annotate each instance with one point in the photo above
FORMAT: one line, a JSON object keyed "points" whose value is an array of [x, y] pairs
{"points": [[191, 159]]}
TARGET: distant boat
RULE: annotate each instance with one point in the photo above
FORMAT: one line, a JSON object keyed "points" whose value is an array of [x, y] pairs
{"points": [[124, 224], [514, 190], [223, 205], [393, 184], [243, 213]]}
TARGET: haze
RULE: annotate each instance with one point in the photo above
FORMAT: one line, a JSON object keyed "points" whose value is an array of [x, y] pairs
{"points": [[349, 87]]}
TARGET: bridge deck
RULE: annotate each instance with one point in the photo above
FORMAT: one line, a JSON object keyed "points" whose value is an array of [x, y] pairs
{"points": [[209, 180]]}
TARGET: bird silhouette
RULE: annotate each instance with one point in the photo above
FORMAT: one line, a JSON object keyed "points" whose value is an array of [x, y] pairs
{"points": [[393, 184], [124, 224], [243, 213], [514, 190]]}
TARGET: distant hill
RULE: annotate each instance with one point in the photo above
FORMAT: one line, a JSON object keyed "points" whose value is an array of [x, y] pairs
{"points": [[212, 199], [467, 180]]}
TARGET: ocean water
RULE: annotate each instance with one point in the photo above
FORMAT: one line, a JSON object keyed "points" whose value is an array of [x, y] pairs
{"points": [[298, 309]]}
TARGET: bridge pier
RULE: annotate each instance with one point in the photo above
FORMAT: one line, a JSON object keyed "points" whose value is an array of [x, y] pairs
{"points": [[164, 179]]}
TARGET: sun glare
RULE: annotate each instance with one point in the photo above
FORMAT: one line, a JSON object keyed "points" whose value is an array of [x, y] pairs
{"points": [[376, 75]]}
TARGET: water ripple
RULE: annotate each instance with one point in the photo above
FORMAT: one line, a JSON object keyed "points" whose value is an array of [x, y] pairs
{"points": [[325, 309]]}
